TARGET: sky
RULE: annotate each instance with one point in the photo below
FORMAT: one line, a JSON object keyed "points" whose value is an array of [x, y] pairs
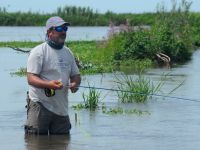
{"points": [[117, 6]]}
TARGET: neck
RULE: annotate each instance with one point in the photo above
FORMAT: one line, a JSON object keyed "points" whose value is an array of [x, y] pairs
{"points": [[54, 44]]}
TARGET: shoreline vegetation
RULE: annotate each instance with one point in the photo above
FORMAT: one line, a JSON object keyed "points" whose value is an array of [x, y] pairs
{"points": [[171, 39], [85, 16]]}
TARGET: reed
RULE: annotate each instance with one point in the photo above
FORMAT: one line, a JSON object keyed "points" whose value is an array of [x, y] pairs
{"points": [[91, 99], [140, 89]]}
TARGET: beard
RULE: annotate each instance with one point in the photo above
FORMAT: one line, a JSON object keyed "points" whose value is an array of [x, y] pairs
{"points": [[60, 39]]}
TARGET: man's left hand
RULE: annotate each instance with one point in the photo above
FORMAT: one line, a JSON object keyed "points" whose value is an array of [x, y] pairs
{"points": [[73, 87]]}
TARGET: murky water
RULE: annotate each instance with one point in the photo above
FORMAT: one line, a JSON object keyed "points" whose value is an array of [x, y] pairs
{"points": [[173, 124]]}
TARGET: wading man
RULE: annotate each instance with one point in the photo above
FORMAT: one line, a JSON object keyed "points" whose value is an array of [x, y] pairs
{"points": [[51, 71]]}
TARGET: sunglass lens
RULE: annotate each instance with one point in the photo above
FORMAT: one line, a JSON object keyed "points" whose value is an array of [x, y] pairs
{"points": [[60, 29]]}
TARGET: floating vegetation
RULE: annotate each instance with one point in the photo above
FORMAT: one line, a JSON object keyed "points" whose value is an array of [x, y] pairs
{"points": [[20, 72], [120, 110], [78, 106], [115, 110]]}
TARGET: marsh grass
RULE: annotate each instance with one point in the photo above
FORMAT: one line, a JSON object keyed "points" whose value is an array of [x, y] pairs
{"points": [[138, 89], [91, 99]]}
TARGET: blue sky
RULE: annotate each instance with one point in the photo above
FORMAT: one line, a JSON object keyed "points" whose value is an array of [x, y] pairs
{"points": [[118, 6]]}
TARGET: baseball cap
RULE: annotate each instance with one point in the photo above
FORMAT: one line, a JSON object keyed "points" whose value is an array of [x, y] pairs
{"points": [[55, 22]]}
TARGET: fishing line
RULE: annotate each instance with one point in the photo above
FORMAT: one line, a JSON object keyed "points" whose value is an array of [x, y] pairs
{"points": [[157, 95]]}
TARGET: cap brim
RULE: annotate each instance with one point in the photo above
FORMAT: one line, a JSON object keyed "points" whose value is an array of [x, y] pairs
{"points": [[62, 23], [67, 24]]}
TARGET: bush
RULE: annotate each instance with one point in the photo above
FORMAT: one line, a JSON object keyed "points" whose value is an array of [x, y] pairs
{"points": [[171, 35]]}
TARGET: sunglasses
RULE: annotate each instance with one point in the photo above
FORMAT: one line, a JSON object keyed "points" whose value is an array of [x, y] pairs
{"points": [[60, 28]]}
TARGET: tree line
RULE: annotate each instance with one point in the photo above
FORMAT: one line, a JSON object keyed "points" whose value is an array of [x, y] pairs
{"points": [[77, 16]]}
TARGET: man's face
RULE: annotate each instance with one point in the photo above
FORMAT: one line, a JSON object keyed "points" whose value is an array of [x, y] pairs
{"points": [[58, 34]]}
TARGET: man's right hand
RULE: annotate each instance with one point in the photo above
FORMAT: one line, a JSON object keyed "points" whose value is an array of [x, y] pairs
{"points": [[36, 81], [54, 84]]}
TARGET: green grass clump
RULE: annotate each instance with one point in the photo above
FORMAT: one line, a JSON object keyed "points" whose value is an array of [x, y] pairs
{"points": [[91, 99], [137, 89]]}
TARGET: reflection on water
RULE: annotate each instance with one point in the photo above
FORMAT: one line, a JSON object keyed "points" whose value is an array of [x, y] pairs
{"points": [[173, 124], [44, 142]]}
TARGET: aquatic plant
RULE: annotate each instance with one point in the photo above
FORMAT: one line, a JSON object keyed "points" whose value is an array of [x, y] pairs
{"points": [[120, 110], [79, 106], [91, 99], [135, 89], [20, 72]]}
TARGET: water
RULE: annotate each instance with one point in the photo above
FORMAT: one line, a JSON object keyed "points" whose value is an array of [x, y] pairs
{"points": [[38, 33], [172, 124]]}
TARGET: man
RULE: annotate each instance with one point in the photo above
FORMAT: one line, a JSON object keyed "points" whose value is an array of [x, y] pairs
{"points": [[50, 68]]}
